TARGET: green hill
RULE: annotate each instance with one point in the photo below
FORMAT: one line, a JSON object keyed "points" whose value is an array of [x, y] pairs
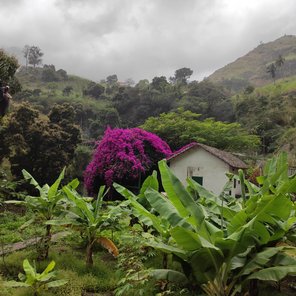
{"points": [[270, 112], [251, 69]]}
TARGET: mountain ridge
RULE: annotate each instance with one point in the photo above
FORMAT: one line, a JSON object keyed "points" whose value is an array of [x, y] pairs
{"points": [[251, 69]]}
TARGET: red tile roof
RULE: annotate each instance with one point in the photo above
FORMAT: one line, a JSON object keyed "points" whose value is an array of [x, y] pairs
{"points": [[227, 157]]}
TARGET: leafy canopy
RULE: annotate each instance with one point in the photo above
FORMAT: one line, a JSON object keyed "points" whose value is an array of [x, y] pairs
{"points": [[182, 127]]}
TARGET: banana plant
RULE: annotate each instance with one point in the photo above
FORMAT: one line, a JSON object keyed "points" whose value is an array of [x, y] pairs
{"points": [[223, 258], [144, 212], [86, 216], [38, 282], [49, 204]]}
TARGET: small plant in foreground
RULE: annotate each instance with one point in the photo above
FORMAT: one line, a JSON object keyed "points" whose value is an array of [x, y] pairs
{"points": [[38, 282], [46, 206], [86, 216]]}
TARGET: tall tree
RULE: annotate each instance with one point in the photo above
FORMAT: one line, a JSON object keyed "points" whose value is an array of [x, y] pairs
{"points": [[182, 75], [159, 83], [111, 79], [280, 61], [26, 52], [35, 56], [271, 69]]}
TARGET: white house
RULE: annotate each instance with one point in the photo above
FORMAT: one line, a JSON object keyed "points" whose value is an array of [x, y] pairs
{"points": [[206, 165]]}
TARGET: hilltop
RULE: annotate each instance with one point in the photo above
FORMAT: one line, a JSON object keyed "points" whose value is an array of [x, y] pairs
{"points": [[251, 69]]}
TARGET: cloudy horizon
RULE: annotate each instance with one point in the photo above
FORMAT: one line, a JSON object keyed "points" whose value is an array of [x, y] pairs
{"points": [[141, 39]]}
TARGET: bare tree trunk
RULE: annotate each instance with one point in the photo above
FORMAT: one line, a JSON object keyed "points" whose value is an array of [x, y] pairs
{"points": [[89, 252]]}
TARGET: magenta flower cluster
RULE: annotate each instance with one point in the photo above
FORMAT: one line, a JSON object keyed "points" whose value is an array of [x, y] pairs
{"points": [[123, 154]]}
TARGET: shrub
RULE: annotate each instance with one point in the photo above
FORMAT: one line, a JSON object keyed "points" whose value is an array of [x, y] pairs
{"points": [[123, 155]]}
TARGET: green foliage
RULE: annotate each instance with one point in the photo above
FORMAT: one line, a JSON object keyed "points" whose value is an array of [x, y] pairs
{"points": [[37, 144], [182, 75], [3, 289], [207, 99], [94, 90], [38, 282], [234, 239], [70, 265], [47, 205], [269, 112], [11, 227], [9, 187], [8, 66], [182, 127], [81, 159], [86, 216], [134, 276], [34, 55]]}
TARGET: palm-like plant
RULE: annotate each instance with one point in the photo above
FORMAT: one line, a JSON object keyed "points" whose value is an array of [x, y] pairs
{"points": [[221, 258], [38, 282], [86, 216], [46, 206]]}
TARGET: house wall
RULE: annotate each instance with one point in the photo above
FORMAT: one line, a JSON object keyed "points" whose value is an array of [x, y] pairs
{"points": [[198, 162]]}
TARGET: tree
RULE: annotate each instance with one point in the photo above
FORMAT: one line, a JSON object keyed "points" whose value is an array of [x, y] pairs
{"points": [[159, 83], [62, 74], [8, 67], [209, 100], [35, 56], [123, 156], [111, 79], [38, 144], [183, 127], [182, 75], [26, 52], [94, 90], [271, 69], [67, 90], [280, 61]]}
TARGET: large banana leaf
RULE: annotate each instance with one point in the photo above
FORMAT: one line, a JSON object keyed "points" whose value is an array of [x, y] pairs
{"points": [[165, 208], [179, 196], [275, 273], [170, 275], [145, 215]]}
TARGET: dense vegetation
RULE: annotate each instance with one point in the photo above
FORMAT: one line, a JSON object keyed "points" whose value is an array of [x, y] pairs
{"points": [[163, 238]]}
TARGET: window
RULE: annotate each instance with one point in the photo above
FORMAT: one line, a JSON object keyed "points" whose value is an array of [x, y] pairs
{"points": [[198, 179]]}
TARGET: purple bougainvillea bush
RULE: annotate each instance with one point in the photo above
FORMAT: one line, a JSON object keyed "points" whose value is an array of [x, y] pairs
{"points": [[122, 156]]}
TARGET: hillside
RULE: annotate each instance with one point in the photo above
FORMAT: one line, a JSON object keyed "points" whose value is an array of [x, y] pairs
{"points": [[269, 111], [251, 69]]}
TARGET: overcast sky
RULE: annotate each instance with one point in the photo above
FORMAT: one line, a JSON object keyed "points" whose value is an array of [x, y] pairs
{"points": [[143, 38]]}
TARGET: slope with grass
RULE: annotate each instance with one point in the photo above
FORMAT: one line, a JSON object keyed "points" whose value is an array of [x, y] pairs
{"points": [[252, 67], [269, 111]]}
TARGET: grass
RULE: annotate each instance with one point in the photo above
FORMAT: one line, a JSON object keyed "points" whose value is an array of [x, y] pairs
{"points": [[252, 66], [281, 86], [70, 265], [10, 227]]}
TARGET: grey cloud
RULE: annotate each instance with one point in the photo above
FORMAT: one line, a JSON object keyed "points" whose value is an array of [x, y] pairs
{"points": [[141, 38]]}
